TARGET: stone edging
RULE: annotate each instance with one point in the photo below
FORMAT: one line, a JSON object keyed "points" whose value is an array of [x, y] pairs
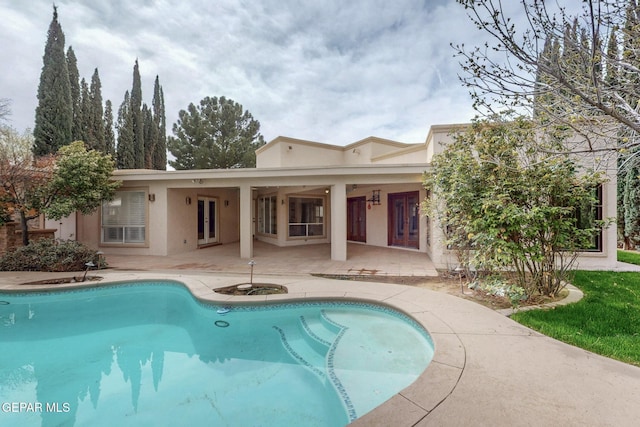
{"points": [[575, 295]]}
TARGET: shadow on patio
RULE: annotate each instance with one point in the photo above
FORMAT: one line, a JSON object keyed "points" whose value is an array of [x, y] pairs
{"points": [[270, 259]]}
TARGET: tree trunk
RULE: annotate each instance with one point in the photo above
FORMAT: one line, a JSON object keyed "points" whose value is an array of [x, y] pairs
{"points": [[25, 228]]}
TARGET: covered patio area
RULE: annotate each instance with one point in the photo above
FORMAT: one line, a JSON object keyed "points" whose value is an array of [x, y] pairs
{"points": [[271, 259]]}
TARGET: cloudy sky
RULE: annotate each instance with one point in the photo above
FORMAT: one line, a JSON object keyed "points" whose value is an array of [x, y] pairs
{"points": [[331, 71]]}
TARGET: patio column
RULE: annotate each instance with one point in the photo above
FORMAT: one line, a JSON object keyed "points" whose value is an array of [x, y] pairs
{"points": [[339, 222], [246, 222]]}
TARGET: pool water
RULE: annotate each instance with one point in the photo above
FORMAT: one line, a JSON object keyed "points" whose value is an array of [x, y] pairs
{"points": [[151, 354]]}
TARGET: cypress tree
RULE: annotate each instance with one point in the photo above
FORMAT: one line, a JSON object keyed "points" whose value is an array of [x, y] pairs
{"points": [[76, 95], [86, 133], [95, 121], [125, 152], [54, 113], [159, 160], [138, 119], [612, 72], [109, 135], [629, 162], [612, 79], [149, 135]]}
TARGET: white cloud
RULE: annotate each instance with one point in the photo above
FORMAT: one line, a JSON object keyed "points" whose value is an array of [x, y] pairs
{"points": [[329, 71]]}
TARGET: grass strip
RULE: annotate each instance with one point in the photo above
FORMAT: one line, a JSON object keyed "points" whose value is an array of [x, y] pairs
{"points": [[629, 257], [606, 321]]}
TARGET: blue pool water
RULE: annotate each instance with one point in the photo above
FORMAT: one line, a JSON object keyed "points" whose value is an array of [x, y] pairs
{"points": [[151, 354]]}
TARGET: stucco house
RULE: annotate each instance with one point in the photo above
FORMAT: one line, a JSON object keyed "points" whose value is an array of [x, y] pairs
{"points": [[300, 193]]}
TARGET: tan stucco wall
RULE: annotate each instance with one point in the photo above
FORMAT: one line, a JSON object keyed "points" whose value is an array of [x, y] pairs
{"points": [[182, 229], [289, 152], [410, 156], [66, 228], [284, 171], [89, 227], [301, 155], [269, 156]]}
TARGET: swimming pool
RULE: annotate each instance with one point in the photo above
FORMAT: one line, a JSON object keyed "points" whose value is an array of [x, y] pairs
{"points": [[144, 353]]}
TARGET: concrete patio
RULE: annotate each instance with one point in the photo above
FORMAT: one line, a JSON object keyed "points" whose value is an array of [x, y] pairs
{"points": [[271, 259], [487, 369]]}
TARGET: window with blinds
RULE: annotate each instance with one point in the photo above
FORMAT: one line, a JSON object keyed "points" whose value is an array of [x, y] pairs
{"points": [[124, 218]]}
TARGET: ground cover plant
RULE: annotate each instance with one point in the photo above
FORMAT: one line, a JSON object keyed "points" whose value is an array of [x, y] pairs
{"points": [[49, 255], [606, 321]]}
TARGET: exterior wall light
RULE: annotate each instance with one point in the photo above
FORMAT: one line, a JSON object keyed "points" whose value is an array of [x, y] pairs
{"points": [[375, 198]]}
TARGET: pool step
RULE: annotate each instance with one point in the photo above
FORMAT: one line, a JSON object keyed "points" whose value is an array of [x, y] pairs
{"points": [[320, 337], [308, 342], [312, 342]]}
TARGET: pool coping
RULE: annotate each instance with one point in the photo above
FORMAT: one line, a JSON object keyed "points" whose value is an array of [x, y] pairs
{"points": [[407, 407], [487, 369]]}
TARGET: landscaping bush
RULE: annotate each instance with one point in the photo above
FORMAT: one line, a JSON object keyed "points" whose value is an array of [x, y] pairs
{"points": [[49, 255]]}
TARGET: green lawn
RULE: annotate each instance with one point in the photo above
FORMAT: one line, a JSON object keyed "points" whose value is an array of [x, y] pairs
{"points": [[606, 321], [629, 257]]}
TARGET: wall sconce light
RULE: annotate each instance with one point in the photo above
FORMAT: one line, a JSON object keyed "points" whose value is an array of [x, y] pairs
{"points": [[290, 147], [326, 191], [375, 198], [226, 203], [152, 197], [187, 200], [282, 202]]}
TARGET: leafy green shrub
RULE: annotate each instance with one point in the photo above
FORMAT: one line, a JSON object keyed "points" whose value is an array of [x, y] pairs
{"points": [[49, 255]]}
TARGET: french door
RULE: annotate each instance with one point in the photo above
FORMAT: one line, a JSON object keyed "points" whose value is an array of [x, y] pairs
{"points": [[357, 219], [207, 220], [404, 216]]}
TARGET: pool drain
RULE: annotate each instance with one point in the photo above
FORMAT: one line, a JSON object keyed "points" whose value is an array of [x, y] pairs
{"points": [[221, 323]]}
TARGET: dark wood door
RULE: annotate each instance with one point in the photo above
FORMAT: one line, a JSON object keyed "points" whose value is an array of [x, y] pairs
{"points": [[404, 216], [357, 219]]}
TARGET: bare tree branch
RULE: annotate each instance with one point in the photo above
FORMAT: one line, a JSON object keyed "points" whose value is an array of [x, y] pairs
{"points": [[569, 85]]}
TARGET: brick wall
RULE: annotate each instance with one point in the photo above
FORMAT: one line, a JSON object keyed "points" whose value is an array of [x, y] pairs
{"points": [[11, 236]]}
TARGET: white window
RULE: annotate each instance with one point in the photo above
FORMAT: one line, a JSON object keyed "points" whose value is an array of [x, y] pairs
{"points": [[124, 218], [306, 216], [267, 215]]}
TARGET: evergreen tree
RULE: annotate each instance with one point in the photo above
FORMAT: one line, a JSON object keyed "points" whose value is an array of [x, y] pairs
{"points": [[138, 119], [54, 113], [612, 79], [85, 114], [126, 151], [612, 69], [96, 124], [629, 161], [109, 135], [159, 153], [76, 95], [150, 135], [545, 97], [631, 204], [216, 134]]}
